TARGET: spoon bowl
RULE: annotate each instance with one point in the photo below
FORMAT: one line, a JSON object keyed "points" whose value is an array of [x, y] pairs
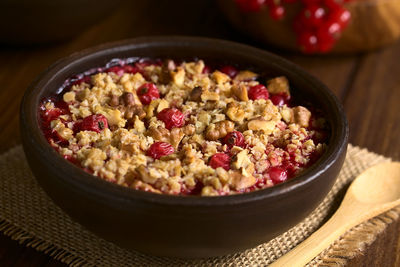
{"points": [[373, 192], [377, 185]]}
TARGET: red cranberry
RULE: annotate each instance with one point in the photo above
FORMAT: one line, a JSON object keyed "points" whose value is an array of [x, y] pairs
{"points": [[333, 4], [311, 2], [341, 16], [159, 149], [71, 159], [234, 138], [172, 117], [51, 114], [330, 27], [130, 69], [277, 175], [95, 123], [312, 16], [276, 12], [280, 99], [258, 92], [308, 42], [148, 92], [206, 69], [327, 34], [326, 43], [117, 70], [220, 160], [250, 5], [54, 136], [229, 70]]}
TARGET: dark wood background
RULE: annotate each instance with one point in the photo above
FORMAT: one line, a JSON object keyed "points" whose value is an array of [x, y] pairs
{"points": [[367, 84]]}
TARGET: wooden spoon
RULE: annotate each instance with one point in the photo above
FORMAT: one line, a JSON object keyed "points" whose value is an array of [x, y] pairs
{"points": [[373, 192]]}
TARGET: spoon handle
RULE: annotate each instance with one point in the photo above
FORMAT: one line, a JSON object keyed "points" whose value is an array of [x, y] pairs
{"points": [[317, 242]]}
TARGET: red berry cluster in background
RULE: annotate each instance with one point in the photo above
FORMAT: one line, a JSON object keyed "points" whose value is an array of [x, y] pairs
{"points": [[318, 25]]}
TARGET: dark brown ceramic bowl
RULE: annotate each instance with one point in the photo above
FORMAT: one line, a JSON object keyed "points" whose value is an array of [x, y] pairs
{"points": [[181, 226]]}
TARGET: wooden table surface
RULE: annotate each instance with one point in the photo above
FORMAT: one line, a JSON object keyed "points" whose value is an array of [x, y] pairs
{"points": [[367, 84]]}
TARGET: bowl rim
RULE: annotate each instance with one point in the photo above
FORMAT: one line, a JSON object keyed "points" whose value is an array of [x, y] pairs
{"points": [[105, 191]]}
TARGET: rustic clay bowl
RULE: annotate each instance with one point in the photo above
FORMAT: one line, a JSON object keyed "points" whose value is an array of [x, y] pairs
{"points": [[374, 24], [181, 226]]}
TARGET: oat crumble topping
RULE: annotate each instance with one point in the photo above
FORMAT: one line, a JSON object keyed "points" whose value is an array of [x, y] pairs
{"points": [[180, 128]]}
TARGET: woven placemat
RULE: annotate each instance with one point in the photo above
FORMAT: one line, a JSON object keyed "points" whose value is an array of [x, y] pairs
{"points": [[30, 217]]}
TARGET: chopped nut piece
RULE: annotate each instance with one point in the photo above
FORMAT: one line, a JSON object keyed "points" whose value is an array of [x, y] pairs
{"points": [[261, 125], [245, 75], [176, 136], [235, 112], [195, 94], [144, 174], [189, 129], [209, 96], [178, 76], [114, 102], [162, 105], [128, 99], [278, 85], [166, 69], [209, 191], [132, 111], [220, 77], [240, 91], [287, 114], [219, 130], [302, 116], [69, 97], [240, 181], [242, 160], [159, 134]]}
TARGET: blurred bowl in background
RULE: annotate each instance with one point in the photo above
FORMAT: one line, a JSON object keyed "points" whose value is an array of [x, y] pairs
{"points": [[43, 21], [374, 24]]}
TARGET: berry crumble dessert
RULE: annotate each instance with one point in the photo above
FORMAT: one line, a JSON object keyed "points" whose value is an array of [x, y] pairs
{"points": [[183, 127]]}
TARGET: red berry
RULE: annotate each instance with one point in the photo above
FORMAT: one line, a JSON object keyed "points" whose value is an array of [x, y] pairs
{"points": [[277, 175], [172, 117], [229, 70], [71, 159], [206, 69], [289, 1], [311, 16], [130, 69], [234, 138], [311, 2], [276, 12], [333, 4], [280, 99], [159, 149], [308, 42], [341, 16], [51, 114], [95, 123], [117, 70], [148, 92], [220, 160], [57, 139], [250, 5], [327, 35], [258, 92]]}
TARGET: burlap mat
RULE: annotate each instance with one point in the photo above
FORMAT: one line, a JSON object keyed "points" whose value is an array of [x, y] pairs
{"points": [[30, 217]]}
